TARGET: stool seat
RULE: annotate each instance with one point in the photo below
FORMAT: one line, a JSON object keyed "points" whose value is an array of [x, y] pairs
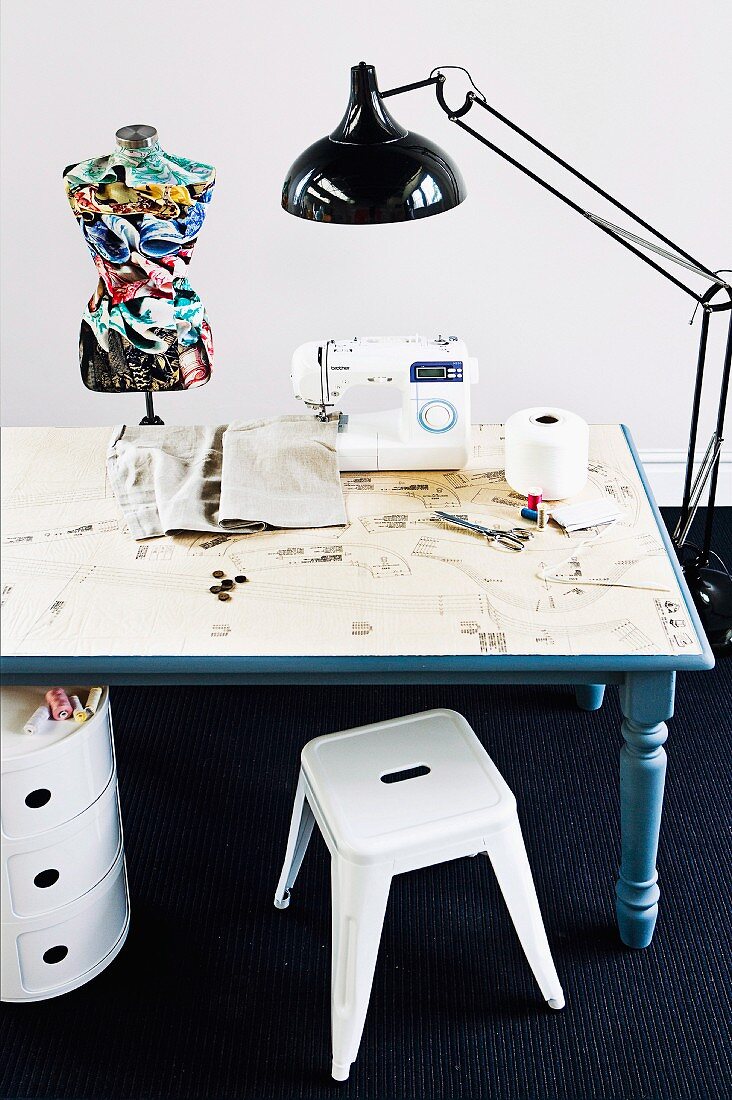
{"points": [[402, 788], [389, 798]]}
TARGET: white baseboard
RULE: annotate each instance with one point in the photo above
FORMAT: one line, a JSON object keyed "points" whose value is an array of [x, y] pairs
{"points": [[665, 472]]}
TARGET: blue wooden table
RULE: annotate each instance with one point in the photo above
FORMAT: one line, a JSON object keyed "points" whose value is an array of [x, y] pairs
{"points": [[70, 541]]}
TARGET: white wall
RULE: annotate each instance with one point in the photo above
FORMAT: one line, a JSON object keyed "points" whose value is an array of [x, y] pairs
{"points": [[633, 94]]}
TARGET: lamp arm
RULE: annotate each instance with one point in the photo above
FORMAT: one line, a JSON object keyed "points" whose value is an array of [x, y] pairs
{"points": [[412, 87], [628, 240], [709, 470], [710, 465], [605, 227], [696, 264]]}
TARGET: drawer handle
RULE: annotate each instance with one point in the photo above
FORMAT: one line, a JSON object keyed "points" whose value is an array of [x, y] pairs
{"points": [[55, 954], [38, 798], [46, 878]]}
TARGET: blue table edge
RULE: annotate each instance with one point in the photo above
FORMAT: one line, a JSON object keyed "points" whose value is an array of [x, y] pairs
{"points": [[471, 668]]}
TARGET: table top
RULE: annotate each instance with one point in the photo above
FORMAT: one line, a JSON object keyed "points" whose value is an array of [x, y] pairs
{"points": [[393, 590]]}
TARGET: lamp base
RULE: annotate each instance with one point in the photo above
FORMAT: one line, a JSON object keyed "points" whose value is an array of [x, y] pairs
{"points": [[711, 590]]}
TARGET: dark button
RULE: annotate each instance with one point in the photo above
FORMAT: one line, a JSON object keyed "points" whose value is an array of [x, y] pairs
{"points": [[215, 588], [226, 583], [217, 573], [224, 596], [240, 579]]}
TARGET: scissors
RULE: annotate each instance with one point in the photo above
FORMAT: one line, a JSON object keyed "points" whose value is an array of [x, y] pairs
{"points": [[513, 538]]}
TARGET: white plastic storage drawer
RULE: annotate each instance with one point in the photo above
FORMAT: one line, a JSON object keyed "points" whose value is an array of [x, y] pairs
{"points": [[44, 957], [53, 775], [54, 868]]}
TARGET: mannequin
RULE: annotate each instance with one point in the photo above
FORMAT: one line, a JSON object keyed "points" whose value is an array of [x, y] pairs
{"points": [[140, 210]]}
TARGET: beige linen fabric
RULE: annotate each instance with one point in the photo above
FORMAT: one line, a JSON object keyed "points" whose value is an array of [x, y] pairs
{"points": [[241, 478]]}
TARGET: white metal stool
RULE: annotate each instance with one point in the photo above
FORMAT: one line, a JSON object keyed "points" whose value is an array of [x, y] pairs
{"points": [[392, 797]]}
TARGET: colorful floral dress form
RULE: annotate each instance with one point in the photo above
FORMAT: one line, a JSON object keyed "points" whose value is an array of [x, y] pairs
{"points": [[145, 327]]}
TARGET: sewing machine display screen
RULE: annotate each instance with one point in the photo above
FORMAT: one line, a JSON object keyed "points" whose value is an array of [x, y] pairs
{"points": [[437, 372]]}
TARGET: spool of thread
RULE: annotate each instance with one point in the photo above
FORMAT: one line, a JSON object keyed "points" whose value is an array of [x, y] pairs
{"points": [[529, 513], [36, 720], [548, 447], [534, 498], [542, 517], [79, 713], [59, 704], [95, 695]]}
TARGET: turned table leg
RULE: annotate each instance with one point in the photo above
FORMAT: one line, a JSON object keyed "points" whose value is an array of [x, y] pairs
{"points": [[646, 699], [589, 696]]}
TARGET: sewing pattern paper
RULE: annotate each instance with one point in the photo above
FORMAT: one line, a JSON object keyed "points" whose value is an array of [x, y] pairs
{"points": [[140, 212], [392, 581]]}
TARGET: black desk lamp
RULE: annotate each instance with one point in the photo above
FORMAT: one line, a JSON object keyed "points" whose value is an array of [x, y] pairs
{"points": [[371, 170]]}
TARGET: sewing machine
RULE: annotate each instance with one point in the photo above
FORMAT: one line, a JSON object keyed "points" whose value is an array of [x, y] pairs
{"points": [[431, 428]]}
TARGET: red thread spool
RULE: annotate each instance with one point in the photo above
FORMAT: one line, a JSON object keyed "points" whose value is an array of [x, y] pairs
{"points": [[534, 498], [59, 704]]}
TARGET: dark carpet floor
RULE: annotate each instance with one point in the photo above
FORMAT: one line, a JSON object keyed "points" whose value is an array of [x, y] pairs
{"points": [[219, 995]]}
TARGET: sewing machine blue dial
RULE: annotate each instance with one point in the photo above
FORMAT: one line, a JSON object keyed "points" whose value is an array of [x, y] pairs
{"points": [[437, 416]]}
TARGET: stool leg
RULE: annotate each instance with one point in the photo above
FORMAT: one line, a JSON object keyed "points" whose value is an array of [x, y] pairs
{"points": [[511, 865], [301, 828], [360, 894]]}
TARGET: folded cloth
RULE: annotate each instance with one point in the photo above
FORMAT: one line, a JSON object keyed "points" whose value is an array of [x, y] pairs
{"points": [[167, 478], [241, 478], [282, 473]]}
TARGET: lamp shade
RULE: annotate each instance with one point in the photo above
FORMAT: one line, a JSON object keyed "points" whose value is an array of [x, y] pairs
{"points": [[371, 170]]}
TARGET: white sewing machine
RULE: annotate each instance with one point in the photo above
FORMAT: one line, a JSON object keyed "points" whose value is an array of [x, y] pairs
{"points": [[431, 429]]}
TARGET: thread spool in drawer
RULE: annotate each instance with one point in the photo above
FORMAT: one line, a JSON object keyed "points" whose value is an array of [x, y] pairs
{"points": [[54, 868], [53, 775], [43, 958]]}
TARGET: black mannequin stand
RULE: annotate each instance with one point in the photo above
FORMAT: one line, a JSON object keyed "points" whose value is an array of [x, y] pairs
{"points": [[150, 417]]}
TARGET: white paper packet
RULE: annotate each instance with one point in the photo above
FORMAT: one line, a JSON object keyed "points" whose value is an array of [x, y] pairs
{"points": [[588, 513]]}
